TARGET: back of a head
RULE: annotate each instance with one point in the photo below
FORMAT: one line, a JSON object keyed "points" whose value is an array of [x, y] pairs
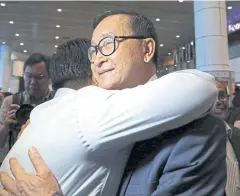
{"points": [[140, 24], [70, 66]]}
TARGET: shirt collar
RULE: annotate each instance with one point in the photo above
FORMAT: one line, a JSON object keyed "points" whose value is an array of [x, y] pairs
{"points": [[47, 97], [63, 91], [154, 77]]}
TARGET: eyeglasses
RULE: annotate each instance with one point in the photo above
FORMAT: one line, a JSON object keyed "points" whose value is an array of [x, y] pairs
{"points": [[28, 76], [107, 46]]}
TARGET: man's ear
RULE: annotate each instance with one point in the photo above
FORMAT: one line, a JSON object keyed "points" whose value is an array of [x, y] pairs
{"points": [[149, 49]]}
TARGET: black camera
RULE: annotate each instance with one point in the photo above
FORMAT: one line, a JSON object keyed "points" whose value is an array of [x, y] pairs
{"points": [[22, 115]]}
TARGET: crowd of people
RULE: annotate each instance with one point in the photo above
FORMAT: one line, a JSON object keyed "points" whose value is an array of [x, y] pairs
{"points": [[110, 127]]}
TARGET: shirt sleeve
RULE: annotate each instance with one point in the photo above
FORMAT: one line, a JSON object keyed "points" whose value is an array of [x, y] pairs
{"points": [[132, 115], [4, 108]]}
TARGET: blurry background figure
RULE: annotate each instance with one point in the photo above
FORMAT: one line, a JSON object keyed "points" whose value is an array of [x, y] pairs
{"points": [[222, 106], [234, 112], [233, 120], [4, 95], [36, 91]]}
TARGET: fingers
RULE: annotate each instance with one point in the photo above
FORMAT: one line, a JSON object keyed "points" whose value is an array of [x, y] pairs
{"points": [[11, 121], [10, 117], [16, 169], [27, 123], [8, 184], [19, 134], [14, 106], [3, 192], [38, 162], [22, 129], [11, 112]]}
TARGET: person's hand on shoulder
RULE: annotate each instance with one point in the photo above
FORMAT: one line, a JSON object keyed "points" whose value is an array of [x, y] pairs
{"points": [[43, 183], [237, 124]]}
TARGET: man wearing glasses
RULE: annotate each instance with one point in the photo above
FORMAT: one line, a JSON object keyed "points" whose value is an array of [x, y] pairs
{"points": [[36, 83], [124, 55]]}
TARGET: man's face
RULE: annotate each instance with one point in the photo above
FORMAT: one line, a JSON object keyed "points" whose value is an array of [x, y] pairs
{"points": [[36, 80], [124, 68]]}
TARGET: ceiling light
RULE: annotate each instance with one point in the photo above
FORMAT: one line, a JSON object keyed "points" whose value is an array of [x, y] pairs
{"points": [[175, 65], [192, 43], [56, 46], [157, 19], [59, 10], [58, 26], [188, 61], [166, 68], [180, 1], [3, 42], [11, 22], [183, 48], [17, 34], [169, 53], [229, 7], [21, 44], [177, 36], [3, 4], [161, 45], [56, 37], [24, 51]]}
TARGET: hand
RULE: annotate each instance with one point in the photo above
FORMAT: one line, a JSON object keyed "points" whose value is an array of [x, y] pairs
{"points": [[24, 127], [42, 184], [10, 117], [237, 124]]}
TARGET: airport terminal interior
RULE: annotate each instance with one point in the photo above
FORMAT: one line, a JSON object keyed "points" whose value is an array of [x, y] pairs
{"points": [[32, 26], [202, 35]]}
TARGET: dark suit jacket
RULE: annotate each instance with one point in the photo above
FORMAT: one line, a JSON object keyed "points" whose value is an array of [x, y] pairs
{"points": [[189, 161]]}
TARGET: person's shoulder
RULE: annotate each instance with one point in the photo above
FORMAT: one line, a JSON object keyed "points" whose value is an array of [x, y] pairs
{"points": [[94, 91]]}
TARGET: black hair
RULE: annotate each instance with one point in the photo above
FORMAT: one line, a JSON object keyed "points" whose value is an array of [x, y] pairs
{"points": [[71, 64], [140, 24], [36, 58]]}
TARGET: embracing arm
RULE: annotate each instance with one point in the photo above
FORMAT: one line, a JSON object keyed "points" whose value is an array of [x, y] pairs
{"points": [[43, 183], [146, 111]]}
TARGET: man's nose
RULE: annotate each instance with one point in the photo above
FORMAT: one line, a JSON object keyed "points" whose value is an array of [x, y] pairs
{"points": [[33, 80], [99, 59]]}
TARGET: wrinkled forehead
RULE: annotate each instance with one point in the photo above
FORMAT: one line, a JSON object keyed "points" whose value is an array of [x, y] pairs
{"points": [[118, 25]]}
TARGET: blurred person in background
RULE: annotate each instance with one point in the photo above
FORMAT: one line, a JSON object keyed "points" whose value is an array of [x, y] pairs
{"points": [[234, 111], [233, 120], [36, 83], [124, 55], [3, 95], [222, 106]]}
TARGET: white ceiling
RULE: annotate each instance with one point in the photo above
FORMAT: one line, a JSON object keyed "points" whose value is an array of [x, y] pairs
{"points": [[36, 22]]}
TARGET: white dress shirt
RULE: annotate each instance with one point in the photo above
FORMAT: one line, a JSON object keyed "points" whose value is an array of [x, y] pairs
{"points": [[86, 136]]}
